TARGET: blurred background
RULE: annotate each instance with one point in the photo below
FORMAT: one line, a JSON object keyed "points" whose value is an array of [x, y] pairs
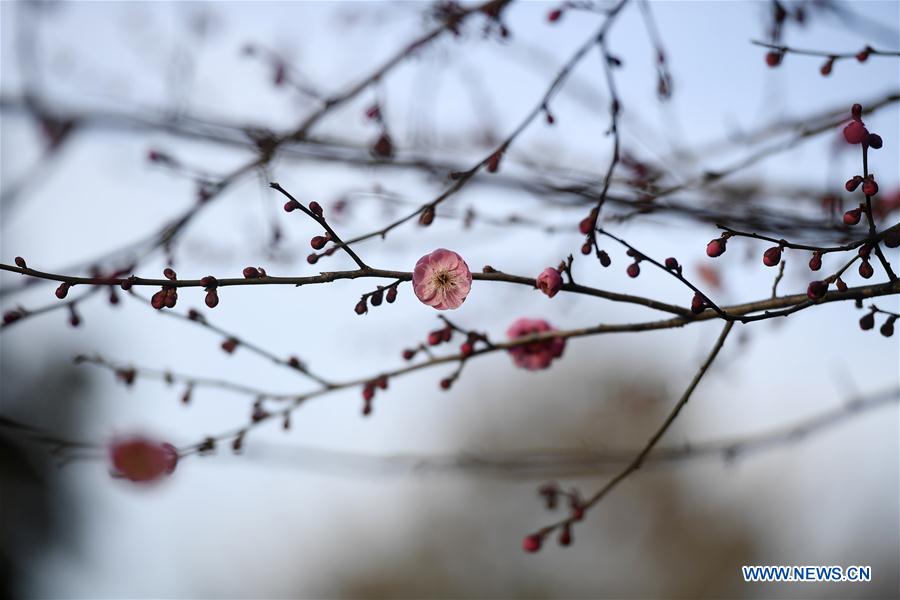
{"points": [[431, 495]]}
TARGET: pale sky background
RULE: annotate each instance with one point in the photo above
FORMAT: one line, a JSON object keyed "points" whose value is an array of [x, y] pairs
{"points": [[252, 526]]}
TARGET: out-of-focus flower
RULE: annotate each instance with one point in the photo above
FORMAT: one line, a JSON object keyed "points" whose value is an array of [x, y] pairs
{"points": [[142, 460], [534, 355]]}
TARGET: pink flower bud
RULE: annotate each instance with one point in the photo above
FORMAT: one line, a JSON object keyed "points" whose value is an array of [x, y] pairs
{"points": [[549, 282]]}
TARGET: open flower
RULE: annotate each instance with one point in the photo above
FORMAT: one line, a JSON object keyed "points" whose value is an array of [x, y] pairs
{"points": [[442, 279], [534, 355], [549, 281], [142, 460]]}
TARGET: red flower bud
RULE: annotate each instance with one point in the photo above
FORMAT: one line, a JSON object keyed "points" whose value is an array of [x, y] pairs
{"points": [[867, 322], [825, 69], [565, 536], [251, 273], [852, 184], [493, 163], [391, 295], [62, 291], [852, 217], [772, 256], [230, 345], [887, 330], [841, 285], [212, 298], [361, 307], [716, 247], [604, 258], [855, 132], [671, 263], [368, 392], [466, 349], [446, 383], [856, 111], [633, 270], [869, 187], [435, 338], [874, 141], [698, 304], [532, 543], [291, 205], [586, 248], [158, 300], [316, 208], [318, 242], [554, 15], [408, 354], [863, 54], [312, 258], [20, 262], [169, 274], [816, 290], [815, 263], [383, 147], [865, 269], [773, 58]]}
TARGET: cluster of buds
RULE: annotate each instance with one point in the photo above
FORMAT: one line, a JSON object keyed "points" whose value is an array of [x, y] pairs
{"points": [[368, 393], [210, 284], [634, 269], [867, 322], [855, 132], [551, 493], [586, 226], [375, 298], [168, 295]]}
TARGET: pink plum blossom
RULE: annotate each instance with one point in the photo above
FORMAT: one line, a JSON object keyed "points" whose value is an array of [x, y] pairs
{"points": [[442, 279], [534, 355], [549, 281], [142, 460]]}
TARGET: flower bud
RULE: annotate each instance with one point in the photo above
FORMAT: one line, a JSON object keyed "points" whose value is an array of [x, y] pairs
{"points": [[312, 258], [251, 273], [874, 141], [716, 247], [291, 205], [887, 330], [865, 269], [446, 383], [633, 270], [869, 187], [855, 132], [841, 285], [772, 256], [169, 274], [408, 354], [853, 183], [852, 217], [532, 543], [565, 536], [586, 248], [671, 263], [62, 291], [603, 256], [230, 345], [867, 322], [466, 349], [427, 216], [554, 15], [549, 282], [698, 304], [815, 263], [816, 290], [316, 208], [391, 295], [773, 58], [20, 262], [856, 111], [825, 69], [361, 307], [318, 242], [212, 298]]}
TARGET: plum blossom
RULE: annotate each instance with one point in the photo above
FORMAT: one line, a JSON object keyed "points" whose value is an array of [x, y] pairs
{"points": [[442, 279], [534, 355], [549, 281], [142, 460]]}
